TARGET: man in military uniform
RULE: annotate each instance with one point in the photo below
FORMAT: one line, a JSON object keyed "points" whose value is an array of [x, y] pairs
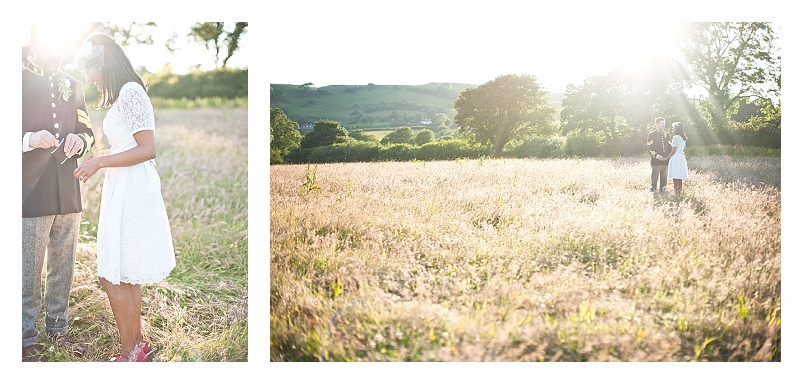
{"points": [[658, 145], [56, 132]]}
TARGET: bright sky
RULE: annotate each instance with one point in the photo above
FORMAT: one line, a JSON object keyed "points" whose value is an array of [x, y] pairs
{"points": [[421, 42], [154, 56]]}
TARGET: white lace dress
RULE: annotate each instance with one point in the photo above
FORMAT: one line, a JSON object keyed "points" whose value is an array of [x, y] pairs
{"points": [[134, 241], [678, 169]]}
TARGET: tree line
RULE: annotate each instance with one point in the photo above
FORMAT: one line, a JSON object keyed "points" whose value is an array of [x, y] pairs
{"points": [[222, 40], [737, 65]]}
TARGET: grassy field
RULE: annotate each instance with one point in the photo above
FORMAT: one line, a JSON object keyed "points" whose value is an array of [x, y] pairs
{"points": [[525, 260], [199, 313]]}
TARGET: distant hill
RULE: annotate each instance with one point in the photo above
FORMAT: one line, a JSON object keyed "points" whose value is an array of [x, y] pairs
{"points": [[370, 106]]}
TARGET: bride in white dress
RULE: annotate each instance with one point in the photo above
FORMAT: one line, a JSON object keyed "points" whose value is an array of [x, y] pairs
{"points": [[135, 245], [678, 170]]}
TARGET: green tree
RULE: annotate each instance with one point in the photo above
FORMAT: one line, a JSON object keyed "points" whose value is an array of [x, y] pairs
{"points": [[620, 107], [440, 119], [731, 61], [356, 116], [747, 109], [284, 135], [360, 135], [401, 135], [446, 134], [595, 106], [424, 136], [214, 36], [507, 108], [762, 129], [126, 34], [324, 132], [368, 120]]}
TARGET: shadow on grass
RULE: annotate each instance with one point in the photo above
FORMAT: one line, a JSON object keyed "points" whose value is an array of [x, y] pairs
{"points": [[676, 200]]}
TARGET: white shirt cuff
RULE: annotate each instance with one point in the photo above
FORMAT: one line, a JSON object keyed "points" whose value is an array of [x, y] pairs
{"points": [[25, 141]]}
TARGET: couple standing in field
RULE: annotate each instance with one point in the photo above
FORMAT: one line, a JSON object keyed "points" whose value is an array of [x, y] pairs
{"points": [[667, 160], [134, 242]]}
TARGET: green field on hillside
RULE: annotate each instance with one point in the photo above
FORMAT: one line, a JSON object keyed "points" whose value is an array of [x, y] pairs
{"points": [[370, 106]]}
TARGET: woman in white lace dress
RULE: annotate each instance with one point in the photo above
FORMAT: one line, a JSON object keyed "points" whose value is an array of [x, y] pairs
{"points": [[678, 170], [135, 245]]}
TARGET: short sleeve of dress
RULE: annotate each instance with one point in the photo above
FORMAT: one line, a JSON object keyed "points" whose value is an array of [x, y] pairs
{"points": [[676, 141], [135, 106]]}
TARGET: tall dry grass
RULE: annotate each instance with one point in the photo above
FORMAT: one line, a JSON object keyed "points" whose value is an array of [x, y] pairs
{"points": [[525, 260], [199, 313]]}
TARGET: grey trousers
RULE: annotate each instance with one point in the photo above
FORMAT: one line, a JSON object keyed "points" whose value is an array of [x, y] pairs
{"points": [[658, 171], [58, 235]]}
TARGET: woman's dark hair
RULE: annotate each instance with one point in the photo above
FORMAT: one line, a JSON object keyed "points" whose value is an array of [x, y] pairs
{"points": [[117, 70], [679, 130]]}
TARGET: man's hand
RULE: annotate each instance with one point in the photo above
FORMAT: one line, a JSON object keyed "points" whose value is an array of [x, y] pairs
{"points": [[43, 139], [72, 144]]}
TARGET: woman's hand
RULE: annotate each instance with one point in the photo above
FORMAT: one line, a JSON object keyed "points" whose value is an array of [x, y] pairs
{"points": [[87, 168]]}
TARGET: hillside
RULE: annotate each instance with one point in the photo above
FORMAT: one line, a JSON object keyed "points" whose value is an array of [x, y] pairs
{"points": [[370, 106]]}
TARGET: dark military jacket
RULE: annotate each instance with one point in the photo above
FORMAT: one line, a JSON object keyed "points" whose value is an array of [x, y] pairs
{"points": [[54, 102], [658, 144]]}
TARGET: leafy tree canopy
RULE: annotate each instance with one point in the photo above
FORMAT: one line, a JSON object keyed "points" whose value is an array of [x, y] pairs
{"points": [[284, 135], [620, 102], [325, 132], [731, 60], [126, 34], [507, 108], [401, 135], [360, 135], [214, 36], [424, 136], [441, 119]]}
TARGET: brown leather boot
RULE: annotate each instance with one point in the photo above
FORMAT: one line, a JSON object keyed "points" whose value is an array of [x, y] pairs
{"points": [[64, 341], [32, 353]]}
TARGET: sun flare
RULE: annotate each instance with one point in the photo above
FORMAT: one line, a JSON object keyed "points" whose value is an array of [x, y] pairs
{"points": [[644, 43], [640, 46], [61, 34]]}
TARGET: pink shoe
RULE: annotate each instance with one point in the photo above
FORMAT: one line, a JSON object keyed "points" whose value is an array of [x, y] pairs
{"points": [[122, 359], [146, 347], [138, 351]]}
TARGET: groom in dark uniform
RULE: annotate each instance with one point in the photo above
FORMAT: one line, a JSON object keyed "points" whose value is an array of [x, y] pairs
{"points": [[658, 145], [56, 132]]}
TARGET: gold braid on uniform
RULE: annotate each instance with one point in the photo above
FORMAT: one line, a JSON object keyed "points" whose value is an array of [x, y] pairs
{"points": [[84, 118], [88, 139]]}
